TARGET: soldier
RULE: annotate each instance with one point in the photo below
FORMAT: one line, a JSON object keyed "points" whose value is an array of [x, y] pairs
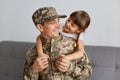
{"points": [[46, 20]]}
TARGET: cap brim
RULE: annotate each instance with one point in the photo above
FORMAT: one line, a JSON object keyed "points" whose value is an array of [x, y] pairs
{"points": [[62, 16]]}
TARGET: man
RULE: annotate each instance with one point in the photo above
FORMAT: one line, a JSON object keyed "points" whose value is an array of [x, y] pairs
{"points": [[46, 20]]}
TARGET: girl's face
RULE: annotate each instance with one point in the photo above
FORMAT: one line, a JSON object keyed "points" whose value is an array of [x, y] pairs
{"points": [[71, 27]]}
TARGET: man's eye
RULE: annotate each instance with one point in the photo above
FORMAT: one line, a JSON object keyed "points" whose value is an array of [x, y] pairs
{"points": [[51, 22]]}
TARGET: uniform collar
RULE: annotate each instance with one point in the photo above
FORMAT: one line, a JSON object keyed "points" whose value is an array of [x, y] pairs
{"points": [[44, 40]]}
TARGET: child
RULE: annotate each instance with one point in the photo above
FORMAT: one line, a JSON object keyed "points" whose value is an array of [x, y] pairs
{"points": [[74, 26]]}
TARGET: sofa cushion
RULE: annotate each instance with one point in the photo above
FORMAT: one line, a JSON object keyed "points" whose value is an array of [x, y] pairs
{"points": [[117, 68], [105, 61], [12, 57]]}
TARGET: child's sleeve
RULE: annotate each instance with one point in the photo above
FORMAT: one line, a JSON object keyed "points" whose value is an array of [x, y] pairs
{"points": [[81, 36]]}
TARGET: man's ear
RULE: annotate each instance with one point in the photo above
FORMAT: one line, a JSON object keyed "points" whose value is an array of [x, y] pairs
{"points": [[39, 27]]}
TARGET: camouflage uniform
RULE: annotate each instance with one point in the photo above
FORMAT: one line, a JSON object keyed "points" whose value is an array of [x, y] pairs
{"points": [[79, 70]]}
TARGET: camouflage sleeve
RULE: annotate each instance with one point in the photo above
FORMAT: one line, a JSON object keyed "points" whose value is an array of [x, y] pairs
{"points": [[82, 69], [28, 74]]}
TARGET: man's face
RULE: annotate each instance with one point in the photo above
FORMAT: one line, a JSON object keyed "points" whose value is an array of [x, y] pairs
{"points": [[51, 29]]}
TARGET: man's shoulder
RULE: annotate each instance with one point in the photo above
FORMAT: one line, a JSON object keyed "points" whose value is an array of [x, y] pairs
{"points": [[64, 41], [66, 38], [32, 51]]}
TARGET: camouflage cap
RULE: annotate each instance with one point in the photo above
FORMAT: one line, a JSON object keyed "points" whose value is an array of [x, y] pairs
{"points": [[45, 14]]}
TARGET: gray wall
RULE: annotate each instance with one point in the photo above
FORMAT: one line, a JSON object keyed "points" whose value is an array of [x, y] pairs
{"points": [[16, 23]]}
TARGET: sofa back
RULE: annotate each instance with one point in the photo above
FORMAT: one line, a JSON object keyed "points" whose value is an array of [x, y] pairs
{"points": [[105, 60]]}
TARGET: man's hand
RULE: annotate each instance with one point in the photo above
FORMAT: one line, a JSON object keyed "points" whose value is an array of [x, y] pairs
{"points": [[40, 64], [62, 64]]}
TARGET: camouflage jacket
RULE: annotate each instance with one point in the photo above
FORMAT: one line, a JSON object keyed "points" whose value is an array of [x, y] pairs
{"points": [[79, 69]]}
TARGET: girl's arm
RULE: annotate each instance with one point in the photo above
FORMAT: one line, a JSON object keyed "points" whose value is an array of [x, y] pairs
{"points": [[39, 46], [78, 53]]}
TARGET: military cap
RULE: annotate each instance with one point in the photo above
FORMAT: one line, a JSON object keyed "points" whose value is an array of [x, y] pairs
{"points": [[45, 14]]}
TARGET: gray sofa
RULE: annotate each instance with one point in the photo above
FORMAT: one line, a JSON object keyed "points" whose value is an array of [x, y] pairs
{"points": [[105, 60]]}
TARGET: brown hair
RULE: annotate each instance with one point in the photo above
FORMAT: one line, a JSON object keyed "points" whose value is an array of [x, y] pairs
{"points": [[81, 18]]}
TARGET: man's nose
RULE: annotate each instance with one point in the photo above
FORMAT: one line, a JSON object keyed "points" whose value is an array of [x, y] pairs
{"points": [[58, 25]]}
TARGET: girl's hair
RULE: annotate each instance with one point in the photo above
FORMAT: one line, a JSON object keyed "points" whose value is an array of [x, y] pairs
{"points": [[81, 18]]}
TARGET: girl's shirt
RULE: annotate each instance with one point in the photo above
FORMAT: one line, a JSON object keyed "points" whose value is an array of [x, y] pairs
{"points": [[72, 35]]}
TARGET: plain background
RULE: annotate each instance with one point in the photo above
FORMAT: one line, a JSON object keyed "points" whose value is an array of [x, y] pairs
{"points": [[16, 22]]}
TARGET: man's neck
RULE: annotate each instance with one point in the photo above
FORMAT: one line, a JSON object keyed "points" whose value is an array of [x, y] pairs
{"points": [[46, 38]]}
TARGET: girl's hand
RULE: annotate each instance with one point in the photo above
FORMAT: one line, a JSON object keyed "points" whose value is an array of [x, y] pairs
{"points": [[62, 64]]}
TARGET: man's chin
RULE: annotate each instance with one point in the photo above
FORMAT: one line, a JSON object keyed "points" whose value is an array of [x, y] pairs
{"points": [[65, 31], [57, 35]]}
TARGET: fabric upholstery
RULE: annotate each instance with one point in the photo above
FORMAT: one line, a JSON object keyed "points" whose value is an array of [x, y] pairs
{"points": [[105, 60], [12, 57]]}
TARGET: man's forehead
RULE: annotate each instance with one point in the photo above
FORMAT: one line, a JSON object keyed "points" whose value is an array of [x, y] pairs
{"points": [[56, 19]]}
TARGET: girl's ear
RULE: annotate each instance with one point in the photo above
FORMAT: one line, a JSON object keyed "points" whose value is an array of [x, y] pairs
{"points": [[39, 27], [79, 31]]}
